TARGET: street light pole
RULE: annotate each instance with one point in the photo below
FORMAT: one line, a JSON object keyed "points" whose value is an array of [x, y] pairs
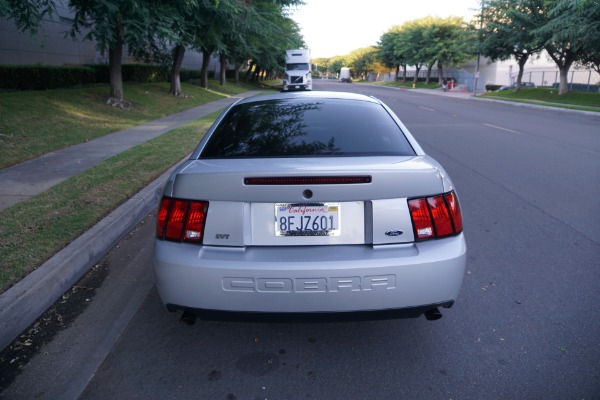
{"points": [[478, 50]]}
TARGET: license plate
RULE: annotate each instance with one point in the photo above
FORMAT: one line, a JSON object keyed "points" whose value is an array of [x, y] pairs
{"points": [[307, 219]]}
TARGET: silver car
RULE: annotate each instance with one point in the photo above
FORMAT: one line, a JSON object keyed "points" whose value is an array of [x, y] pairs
{"points": [[311, 205]]}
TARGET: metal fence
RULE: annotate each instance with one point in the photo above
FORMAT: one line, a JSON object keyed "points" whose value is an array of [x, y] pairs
{"points": [[578, 80], [461, 78]]}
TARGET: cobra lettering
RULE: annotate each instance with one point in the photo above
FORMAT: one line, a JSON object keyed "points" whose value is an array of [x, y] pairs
{"points": [[310, 285]]}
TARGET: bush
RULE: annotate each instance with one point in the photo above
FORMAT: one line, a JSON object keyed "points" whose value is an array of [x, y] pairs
{"points": [[133, 73], [43, 77], [492, 88], [580, 87], [423, 79], [145, 73], [40, 77], [186, 75]]}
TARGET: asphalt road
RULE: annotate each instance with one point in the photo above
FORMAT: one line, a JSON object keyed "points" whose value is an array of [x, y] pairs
{"points": [[526, 325]]}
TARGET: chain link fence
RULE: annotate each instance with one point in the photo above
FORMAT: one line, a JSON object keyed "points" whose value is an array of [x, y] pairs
{"points": [[578, 80]]}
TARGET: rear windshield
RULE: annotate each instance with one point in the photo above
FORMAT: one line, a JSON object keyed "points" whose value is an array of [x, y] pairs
{"points": [[307, 128]]}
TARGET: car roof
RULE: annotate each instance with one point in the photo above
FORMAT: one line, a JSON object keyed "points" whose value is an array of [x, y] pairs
{"points": [[310, 96]]}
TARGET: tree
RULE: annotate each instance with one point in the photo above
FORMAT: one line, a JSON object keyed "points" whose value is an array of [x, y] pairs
{"points": [[240, 30], [589, 33], [187, 18], [336, 63], [27, 14], [509, 31], [361, 60], [412, 44], [279, 33], [569, 31], [321, 65], [449, 43], [114, 24], [571, 34], [389, 54]]}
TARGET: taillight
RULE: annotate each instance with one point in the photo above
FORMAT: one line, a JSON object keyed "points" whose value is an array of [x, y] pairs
{"points": [[455, 213], [181, 220], [436, 216]]}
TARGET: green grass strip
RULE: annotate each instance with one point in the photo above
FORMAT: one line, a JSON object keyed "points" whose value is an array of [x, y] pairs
{"points": [[37, 122], [33, 231], [550, 97]]}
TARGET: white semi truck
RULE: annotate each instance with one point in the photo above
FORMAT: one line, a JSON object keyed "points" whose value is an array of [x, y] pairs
{"points": [[345, 75], [297, 70]]}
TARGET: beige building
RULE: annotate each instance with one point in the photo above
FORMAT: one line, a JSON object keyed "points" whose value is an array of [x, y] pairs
{"points": [[542, 71]]}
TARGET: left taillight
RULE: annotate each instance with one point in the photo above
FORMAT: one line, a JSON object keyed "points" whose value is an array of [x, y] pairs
{"points": [[435, 217], [181, 220]]}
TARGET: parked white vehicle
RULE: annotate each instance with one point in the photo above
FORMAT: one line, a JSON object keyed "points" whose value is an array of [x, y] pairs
{"points": [[345, 75], [297, 70]]}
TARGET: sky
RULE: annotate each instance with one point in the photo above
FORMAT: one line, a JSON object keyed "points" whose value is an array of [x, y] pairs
{"points": [[337, 27]]}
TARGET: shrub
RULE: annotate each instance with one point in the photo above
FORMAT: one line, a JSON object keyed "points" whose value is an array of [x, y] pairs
{"points": [[492, 88], [41, 77]]}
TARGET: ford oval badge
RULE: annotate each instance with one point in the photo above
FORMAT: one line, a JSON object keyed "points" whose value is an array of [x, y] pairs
{"points": [[394, 233]]}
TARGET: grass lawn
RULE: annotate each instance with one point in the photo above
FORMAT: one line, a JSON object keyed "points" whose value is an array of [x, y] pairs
{"points": [[33, 123], [549, 97], [34, 230]]}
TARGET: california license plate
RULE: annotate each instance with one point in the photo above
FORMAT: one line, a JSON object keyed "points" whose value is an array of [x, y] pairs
{"points": [[307, 219]]}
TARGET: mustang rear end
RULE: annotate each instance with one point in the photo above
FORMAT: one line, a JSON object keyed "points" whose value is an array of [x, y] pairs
{"points": [[286, 209]]}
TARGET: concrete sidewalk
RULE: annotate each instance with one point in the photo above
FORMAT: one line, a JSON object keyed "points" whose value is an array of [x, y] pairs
{"points": [[32, 177], [23, 303]]}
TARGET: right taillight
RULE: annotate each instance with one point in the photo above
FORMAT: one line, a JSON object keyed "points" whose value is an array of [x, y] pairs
{"points": [[435, 216], [181, 220]]}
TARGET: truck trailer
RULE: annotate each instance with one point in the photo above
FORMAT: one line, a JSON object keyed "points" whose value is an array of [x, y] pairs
{"points": [[297, 70], [345, 75]]}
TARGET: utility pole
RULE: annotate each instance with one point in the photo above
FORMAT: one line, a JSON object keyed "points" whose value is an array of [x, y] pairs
{"points": [[478, 50]]}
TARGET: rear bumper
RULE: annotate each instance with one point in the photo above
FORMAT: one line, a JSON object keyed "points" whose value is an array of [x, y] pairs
{"points": [[398, 313], [310, 279]]}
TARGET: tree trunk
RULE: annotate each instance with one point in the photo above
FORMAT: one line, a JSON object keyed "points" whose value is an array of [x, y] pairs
{"points": [[178, 54], [404, 73], [440, 68], [249, 71], [397, 73], [204, 71], [563, 59], [428, 77], [521, 62], [563, 87], [417, 70], [223, 70], [115, 54], [236, 74]]}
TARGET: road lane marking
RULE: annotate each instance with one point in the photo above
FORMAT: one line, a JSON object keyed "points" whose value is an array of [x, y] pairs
{"points": [[425, 108], [502, 129]]}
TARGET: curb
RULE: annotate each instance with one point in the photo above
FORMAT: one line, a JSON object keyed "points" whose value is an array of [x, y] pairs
{"points": [[24, 302]]}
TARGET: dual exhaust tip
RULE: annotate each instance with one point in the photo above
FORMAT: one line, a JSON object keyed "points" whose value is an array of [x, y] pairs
{"points": [[433, 314]]}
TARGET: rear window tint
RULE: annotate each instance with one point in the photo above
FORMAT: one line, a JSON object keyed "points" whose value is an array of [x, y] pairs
{"points": [[306, 127]]}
